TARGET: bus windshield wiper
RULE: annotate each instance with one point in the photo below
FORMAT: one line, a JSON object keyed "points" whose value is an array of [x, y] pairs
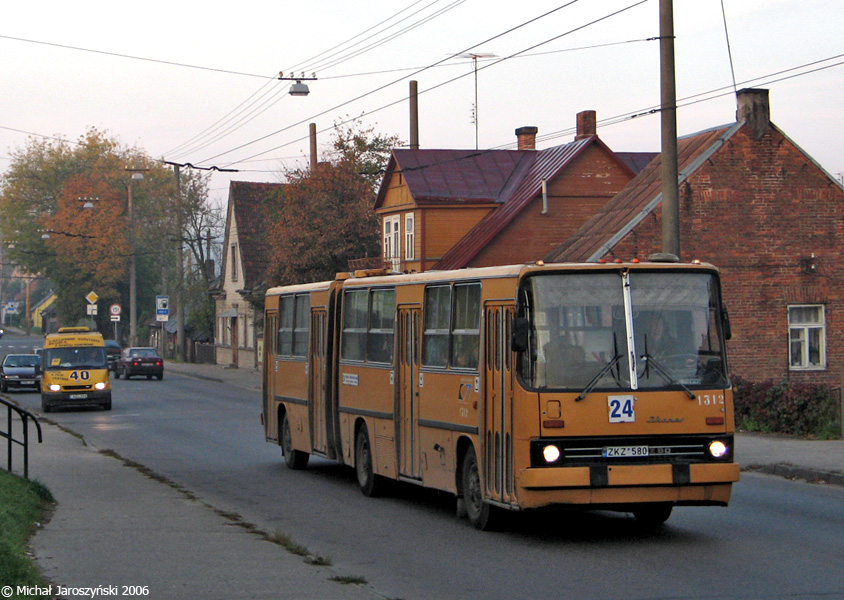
{"points": [[606, 369], [594, 381], [650, 361]]}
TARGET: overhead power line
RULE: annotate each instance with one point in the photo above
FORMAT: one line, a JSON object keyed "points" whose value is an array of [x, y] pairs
{"points": [[493, 63], [382, 87]]}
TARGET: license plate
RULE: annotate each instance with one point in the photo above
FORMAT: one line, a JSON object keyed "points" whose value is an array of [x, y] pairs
{"points": [[78, 396], [625, 451]]}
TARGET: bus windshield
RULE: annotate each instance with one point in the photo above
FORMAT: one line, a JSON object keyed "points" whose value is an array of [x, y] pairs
{"points": [[80, 357], [619, 331]]}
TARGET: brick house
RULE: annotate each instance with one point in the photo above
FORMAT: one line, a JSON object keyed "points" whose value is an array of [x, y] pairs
{"points": [[238, 321], [449, 209], [757, 206]]}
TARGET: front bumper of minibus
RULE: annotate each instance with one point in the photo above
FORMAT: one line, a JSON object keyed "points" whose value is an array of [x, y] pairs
{"points": [[76, 398]]}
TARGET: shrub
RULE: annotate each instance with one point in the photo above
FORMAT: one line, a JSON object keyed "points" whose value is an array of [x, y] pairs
{"points": [[804, 409]]}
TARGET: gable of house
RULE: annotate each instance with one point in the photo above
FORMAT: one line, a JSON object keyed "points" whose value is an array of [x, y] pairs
{"points": [[754, 204], [245, 258]]}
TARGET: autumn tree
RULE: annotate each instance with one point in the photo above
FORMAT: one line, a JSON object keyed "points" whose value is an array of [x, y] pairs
{"points": [[326, 217], [48, 231]]}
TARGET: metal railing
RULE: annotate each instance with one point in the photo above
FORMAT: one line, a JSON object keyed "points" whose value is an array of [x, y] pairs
{"points": [[24, 416]]}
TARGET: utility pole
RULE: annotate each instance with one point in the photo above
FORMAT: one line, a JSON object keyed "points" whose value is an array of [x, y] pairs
{"points": [[180, 296], [668, 112]]}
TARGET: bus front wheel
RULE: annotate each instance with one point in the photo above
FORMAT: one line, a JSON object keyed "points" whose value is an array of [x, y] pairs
{"points": [[294, 459], [479, 512], [370, 483], [653, 515]]}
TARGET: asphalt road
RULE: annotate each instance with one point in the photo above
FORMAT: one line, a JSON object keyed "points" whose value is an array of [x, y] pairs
{"points": [[778, 539]]}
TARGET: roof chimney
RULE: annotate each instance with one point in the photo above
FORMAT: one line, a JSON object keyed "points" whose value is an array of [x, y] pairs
{"points": [[527, 137], [586, 124], [754, 108]]}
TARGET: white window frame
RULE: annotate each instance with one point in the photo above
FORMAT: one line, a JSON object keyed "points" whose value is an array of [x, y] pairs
{"points": [[410, 236], [800, 332], [392, 240]]}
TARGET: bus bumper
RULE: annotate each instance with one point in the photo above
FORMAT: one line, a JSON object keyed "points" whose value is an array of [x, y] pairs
{"points": [[694, 484], [51, 400]]}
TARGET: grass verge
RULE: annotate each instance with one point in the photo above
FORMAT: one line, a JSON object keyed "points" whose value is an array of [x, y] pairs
{"points": [[23, 505]]}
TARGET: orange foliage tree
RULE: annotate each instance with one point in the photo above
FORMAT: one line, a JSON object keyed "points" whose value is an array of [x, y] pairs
{"points": [[90, 244]]}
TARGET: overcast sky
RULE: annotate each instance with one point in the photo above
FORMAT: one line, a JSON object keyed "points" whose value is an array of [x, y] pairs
{"points": [[197, 82]]}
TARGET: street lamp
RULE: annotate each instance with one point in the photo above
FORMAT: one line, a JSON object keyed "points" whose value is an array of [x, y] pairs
{"points": [[298, 88]]}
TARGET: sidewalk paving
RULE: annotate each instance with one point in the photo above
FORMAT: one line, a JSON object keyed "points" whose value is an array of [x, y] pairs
{"points": [[115, 526]]}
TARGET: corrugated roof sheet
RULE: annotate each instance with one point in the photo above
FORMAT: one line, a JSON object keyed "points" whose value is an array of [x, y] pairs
{"points": [[459, 175]]}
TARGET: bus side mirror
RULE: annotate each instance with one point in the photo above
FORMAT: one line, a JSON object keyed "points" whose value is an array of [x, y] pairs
{"points": [[521, 331], [725, 321]]}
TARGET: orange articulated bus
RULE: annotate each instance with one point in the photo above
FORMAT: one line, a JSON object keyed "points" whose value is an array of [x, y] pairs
{"points": [[600, 386]]}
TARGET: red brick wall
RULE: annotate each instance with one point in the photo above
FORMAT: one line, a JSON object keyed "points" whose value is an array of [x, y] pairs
{"points": [[754, 209]]}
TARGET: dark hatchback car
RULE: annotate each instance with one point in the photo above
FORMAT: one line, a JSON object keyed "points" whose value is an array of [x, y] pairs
{"points": [[20, 371], [112, 354], [140, 361]]}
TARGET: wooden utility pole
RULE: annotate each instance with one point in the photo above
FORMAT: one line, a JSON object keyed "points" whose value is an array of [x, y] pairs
{"points": [[180, 293], [668, 110]]}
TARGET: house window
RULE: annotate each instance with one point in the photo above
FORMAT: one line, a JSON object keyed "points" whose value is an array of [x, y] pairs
{"points": [[392, 240], [409, 237], [806, 337], [233, 255]]}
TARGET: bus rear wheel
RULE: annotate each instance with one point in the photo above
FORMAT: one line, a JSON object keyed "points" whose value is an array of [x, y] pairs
{"points": [[370, 483], [294, 459], [479, 512]]}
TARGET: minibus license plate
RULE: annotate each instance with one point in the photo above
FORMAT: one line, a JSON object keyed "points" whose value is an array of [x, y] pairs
{"points": [[78, 396], [624, 451]]}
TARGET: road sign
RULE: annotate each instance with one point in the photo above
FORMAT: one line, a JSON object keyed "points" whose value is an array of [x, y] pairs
{"points": [[11, 308], [115, 317], [92, 297], [115, 310], [162, 308], [92, 309]]}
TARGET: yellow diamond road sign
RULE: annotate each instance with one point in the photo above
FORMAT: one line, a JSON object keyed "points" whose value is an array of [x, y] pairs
{"points": [[92, 297]]}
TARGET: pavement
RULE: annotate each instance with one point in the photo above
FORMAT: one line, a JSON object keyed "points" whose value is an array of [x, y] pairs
{"points": [[115, 526]]}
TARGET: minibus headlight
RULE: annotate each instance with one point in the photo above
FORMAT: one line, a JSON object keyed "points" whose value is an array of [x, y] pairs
{"points": [[718, 449], [55, 387], [551, 453], [100, 385]]}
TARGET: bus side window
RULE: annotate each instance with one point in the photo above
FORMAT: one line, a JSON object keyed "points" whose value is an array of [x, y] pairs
{"points": [[465, 335], [355, 317], [437, 320]]}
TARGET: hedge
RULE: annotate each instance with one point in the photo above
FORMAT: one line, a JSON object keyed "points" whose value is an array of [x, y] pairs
{"points": [[804, 409]]}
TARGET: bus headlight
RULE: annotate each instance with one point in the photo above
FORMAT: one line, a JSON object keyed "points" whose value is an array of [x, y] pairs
{"points": [[55, 387], [550, 453], [718, 449], [100, 385]]}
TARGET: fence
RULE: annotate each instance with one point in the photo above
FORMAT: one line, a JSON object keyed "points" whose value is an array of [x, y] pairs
{"points": [[9, 434]]}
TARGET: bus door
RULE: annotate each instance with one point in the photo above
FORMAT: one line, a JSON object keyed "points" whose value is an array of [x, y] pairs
{"points": [[498, 403], [408, 390], [270, 371], [316, 380]]}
